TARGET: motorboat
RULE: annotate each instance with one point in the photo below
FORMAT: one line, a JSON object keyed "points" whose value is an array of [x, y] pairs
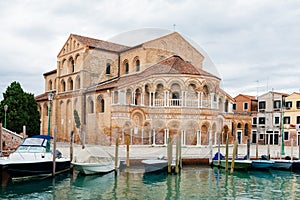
{"points": [[154, 165], [239, 164], [262, 164], [94, 160], [282, 164], [31, 159]]}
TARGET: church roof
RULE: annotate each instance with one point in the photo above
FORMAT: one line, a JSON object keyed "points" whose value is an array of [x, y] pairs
{"points": [[172, 65], [100, 44]]}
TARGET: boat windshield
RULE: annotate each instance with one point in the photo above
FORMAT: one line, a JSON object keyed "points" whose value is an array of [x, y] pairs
{"points": [[31, 149]]}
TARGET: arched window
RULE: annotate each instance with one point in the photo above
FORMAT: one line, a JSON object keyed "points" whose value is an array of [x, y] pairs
{"points": [[50, 85], [126, 68], [70, 84], [100, 104], [91, 106], [108, 68], [71, 65], [63, 85], [137, 64]]}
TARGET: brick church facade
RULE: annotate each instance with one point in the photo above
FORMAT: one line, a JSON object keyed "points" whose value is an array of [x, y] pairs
{"points": [[150, 91]]}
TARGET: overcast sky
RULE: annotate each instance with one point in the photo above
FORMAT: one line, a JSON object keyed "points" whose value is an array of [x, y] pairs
{"points": [[255, 44]]}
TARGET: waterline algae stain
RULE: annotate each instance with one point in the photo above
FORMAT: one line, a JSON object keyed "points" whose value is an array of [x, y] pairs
{"points": [[190, 183]]}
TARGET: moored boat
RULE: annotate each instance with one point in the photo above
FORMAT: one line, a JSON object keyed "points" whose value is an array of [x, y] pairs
{"points": [[94, 160], [31, 159], [238, 164], [262, 164], [282, 164], [153, 165]]}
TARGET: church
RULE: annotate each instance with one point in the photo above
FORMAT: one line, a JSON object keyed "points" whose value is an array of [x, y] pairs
{"points": [[146, 86]]}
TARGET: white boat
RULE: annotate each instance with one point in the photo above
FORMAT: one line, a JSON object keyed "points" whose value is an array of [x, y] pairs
{"points": [[153, 165], [94, 160], [31, 159]]}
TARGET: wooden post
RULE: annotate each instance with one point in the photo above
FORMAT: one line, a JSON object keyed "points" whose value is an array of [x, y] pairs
{"points": [[226, 157], [232, 161], [71, 145], [292, 149], [1, 143], [257, 135], [219, 151], [117, 156], [248, 149], [169, 148], [180, 156], [54, 151], [177, 156], [127, 150]]}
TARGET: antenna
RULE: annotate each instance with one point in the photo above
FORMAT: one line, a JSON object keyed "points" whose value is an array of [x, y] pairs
{"points": [[174, 26]]}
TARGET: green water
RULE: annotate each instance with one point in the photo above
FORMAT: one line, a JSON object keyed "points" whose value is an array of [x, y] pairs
{"points": [[192, 183]]}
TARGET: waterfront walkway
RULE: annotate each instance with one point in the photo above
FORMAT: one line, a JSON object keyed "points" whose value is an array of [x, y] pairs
{"points": [[147, 152]]}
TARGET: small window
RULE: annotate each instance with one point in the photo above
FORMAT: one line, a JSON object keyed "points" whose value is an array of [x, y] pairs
{"points": [[262, 105], [261, 136], [126, 68], [277, 104], [286, 135], [288, 104], [254, 120], [137, 63], [286, 120], [276, 120], [298, 104], [234, 106], [246, 106], [261, 120], [108, 68], [298, 119], [102, 105]]}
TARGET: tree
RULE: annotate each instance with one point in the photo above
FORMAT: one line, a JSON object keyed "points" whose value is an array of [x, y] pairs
{"points": [[22, 110]]}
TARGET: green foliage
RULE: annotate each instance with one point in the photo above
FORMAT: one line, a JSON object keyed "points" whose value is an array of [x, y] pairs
{"points": [[22, 110], [77, 119]]}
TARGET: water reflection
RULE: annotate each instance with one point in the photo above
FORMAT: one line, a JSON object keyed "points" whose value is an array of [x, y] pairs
{"points": [[191, 183]]}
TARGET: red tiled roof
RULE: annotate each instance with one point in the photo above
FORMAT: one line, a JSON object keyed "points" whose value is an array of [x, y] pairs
{"points": [[100, 43], [247, 96], [172, 65]]}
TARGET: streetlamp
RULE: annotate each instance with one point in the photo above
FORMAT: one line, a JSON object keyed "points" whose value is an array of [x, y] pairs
{"points": [[50, 99], [5, 109]]}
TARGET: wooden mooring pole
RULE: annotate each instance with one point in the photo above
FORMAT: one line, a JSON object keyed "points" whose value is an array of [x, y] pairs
{"points": [[54, 151], [177, 156], [233, 157], [1, 147], [226, 156], [127, 151], [117, 156], [169, 151]]}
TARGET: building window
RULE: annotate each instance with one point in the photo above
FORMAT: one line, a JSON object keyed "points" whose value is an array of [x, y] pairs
{"points": [[286, 135], [246, 106], [91, 109], [137, 63], [261, 136], [261, 120], [298, 104], [298, 119], [286, 120], [277, 104], [288, 104], [126, 68], [108, 68], [254, 120], [254, 136], [262, 105], [50, 85], [276, 120], [234, 106]]}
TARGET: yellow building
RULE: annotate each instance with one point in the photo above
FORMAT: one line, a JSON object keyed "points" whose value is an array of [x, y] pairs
{"points": [[149, 91], [291, 119]]}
